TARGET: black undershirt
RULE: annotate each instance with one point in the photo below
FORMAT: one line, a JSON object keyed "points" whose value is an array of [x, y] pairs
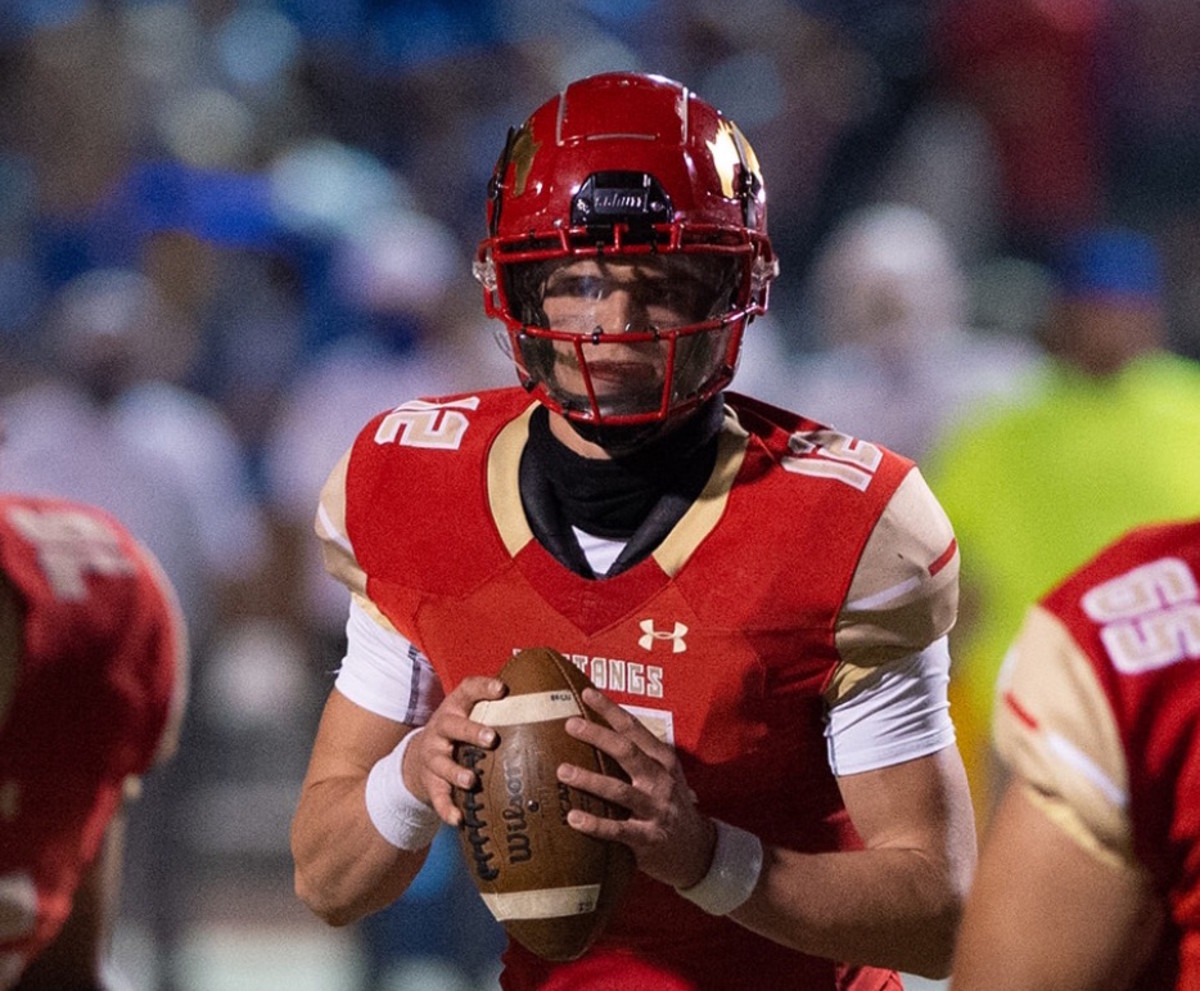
{"points": [[637, 497]]}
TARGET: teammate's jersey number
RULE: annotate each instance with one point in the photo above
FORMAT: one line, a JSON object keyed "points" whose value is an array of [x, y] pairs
{"points": [[71, 545], [1150, 615]]}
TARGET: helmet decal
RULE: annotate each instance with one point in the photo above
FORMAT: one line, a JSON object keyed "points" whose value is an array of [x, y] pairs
{"points": [[524, 148], [726, 156]]}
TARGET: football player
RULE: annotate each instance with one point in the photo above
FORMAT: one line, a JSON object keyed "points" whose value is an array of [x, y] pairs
{"points": [[762, 601], [1090, 874], [93, 676]]}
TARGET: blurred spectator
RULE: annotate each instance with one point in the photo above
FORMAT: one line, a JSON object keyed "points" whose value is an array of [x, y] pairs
{"points": [[1032, 73], [851, 77], [901, 363], [1150, 84], [1106, 439], [110, 426], [1149, 81]]}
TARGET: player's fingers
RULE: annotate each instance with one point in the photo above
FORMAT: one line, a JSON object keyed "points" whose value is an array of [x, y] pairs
{"points": [[619, 746], [599, 826], [616, 717], [443, 804], [443, 773], [627, 724], [476, 688], [452, 721], [610, 789], [449, 728]]}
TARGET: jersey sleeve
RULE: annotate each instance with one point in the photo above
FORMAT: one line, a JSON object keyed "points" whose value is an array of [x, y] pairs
{"points": [[385, 673], [382, 671], [330, 526], [1054, 729], [904, 593]]}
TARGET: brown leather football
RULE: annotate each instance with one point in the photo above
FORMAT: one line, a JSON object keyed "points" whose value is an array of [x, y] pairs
{"points": [[551, 886]]}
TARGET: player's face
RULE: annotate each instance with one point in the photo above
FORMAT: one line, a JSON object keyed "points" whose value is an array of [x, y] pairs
{"points": [[620, 297]]}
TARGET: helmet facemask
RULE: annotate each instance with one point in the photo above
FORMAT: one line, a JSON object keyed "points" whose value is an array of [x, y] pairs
{"points": [[625, 339]]}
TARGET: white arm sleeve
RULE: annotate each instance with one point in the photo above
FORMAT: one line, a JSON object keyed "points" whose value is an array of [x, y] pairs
{"points": [[386, 674], [900, 712]]}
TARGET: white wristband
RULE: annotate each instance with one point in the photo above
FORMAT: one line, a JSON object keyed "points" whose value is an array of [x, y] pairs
{"points": [[737, 862], [401, 818]]}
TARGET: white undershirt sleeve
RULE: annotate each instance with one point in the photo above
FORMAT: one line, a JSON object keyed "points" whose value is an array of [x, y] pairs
{"points": [[899, 713], [384, 673]]}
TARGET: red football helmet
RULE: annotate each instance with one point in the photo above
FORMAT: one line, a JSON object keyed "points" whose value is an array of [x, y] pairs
{"points": [[631, 185]]}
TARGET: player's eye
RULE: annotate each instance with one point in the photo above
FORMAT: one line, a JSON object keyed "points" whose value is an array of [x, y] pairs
{"points": [[586, 287], [688, 298]]}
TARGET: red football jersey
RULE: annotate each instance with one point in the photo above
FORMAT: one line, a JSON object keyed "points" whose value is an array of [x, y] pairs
{"points": [[808, 557], [98, 690], [1100, 710]]}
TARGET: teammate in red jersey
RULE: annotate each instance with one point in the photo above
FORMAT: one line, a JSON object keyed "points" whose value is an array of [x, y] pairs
{"points": [[1090, 876], [762, 601], [92, 687]]}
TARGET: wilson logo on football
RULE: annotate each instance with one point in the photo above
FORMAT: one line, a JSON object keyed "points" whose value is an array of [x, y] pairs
{"points": [[650, 635]]}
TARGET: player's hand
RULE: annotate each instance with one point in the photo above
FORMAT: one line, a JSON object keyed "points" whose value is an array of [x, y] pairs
{"points": [[671, 839], [430, 771]]}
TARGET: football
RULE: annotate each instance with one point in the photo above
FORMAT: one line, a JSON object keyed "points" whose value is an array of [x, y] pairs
{"points": [[552, 887]]}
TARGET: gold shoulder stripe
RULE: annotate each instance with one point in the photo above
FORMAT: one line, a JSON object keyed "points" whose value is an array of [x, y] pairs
{"points": [[698, 522], [330, 526], [1054, 727], [504, 493], [1064, 815]]}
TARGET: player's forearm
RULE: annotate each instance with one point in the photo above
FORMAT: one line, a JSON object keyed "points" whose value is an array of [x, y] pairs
{"points": [[886, 908], [344, 868]]}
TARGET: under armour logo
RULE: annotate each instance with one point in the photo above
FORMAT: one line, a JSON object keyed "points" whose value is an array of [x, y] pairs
{"points": [[676, 635]]}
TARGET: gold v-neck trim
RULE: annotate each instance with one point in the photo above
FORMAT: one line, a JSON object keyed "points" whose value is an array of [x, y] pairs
{"points": [[503, 482], [504, 493], [703, 515]]}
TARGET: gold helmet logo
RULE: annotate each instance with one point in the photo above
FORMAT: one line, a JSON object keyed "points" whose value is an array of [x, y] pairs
{"points": [[729, 149], [523, 150]]}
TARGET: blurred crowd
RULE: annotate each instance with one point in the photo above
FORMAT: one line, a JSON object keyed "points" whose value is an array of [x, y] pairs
{"points": [[233, 230]]}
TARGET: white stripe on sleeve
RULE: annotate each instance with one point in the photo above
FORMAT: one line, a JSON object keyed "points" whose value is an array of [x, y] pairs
{"points": [[386, 674]]}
